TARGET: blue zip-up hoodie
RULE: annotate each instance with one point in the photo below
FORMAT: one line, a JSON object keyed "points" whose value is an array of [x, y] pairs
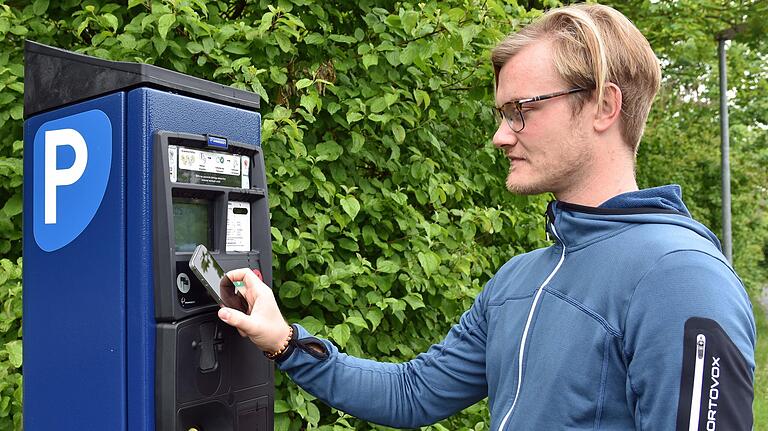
{"points": [[632, 319]]}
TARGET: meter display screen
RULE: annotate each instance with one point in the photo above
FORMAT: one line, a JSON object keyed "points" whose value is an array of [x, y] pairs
{"points": [[192, 223]]}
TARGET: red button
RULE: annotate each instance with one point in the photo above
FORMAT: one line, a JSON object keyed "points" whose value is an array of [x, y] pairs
{"points": [[258, 274]]}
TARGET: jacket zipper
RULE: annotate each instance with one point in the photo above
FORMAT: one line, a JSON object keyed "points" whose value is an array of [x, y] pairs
{"points": [[698, 373], [521, 354]]}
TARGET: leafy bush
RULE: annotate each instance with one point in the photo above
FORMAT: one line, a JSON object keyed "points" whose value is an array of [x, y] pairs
{"points": [[10, 345], [388, 206]]}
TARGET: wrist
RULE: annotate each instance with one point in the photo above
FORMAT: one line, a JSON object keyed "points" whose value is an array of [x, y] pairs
{"points": [[284, 337]]}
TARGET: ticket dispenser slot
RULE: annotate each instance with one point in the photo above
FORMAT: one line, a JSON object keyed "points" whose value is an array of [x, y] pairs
{"points": [[207, 191]]}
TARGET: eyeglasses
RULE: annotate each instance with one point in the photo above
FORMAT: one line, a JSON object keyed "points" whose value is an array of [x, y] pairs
{"points": [[513, 111]]}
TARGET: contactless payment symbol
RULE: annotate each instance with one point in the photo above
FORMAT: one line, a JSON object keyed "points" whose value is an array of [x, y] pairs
{"points": [[72, 160]]}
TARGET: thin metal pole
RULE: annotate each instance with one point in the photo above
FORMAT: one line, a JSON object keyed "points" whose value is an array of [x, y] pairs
{"points": [[724, 152]]}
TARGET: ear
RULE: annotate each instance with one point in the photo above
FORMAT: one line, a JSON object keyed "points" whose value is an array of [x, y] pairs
{"points": [[609, 112]]}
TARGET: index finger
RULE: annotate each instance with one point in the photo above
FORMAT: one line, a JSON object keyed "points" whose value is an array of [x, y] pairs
{"points": [[252, 283], [244, 274]]}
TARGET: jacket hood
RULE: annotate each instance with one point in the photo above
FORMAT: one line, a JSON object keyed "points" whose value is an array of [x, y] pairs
{"points": [[579, 225]]}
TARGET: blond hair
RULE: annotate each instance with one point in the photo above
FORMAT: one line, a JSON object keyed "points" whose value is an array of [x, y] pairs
{"points": [[593, 45]]}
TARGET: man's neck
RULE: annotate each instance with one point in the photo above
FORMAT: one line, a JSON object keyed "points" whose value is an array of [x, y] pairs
{"points": [[608, 180], [595, 196]]}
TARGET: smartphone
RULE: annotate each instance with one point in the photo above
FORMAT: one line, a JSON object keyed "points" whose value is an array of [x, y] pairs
{"points": [[215, 280]]}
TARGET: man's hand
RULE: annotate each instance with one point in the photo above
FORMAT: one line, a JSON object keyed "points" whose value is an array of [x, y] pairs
{"points": [[264, 324]]}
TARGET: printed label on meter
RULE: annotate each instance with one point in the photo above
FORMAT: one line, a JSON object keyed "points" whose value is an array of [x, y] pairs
{"points": [[238, 226], [208, 167]]}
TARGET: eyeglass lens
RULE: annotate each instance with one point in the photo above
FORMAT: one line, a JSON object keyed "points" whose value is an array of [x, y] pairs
{"points": [[513, 116]]}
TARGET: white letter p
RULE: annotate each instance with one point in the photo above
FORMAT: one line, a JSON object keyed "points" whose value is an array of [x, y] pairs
{"points": [[61, 177]]}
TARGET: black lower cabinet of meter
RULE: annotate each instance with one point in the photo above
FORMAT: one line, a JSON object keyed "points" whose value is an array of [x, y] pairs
{"points": [[209, 378]]}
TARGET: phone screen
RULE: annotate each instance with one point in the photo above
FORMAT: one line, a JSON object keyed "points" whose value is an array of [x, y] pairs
{"points": [[215, 279]]}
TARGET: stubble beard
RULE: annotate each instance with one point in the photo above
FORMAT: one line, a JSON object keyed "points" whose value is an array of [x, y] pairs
{"points": [[559, 178]]}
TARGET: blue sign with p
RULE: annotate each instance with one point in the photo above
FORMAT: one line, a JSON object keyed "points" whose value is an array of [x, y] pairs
{"points": [[72, 161]]}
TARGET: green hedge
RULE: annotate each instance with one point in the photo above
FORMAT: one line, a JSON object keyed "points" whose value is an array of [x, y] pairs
{"points": [[10, 344], [388, 206]]}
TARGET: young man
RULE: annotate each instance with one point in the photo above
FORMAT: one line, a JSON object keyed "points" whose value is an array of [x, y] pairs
{"points": [[633, 319]]}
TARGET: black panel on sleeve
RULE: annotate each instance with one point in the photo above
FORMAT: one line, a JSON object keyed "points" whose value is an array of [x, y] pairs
{"points": [[715, 380]]}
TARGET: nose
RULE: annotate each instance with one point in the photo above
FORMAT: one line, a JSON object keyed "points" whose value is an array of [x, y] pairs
{"points": [[504, 136]]}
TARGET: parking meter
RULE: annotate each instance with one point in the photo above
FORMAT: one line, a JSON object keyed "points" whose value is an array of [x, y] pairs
{"points": [[127, 167]]}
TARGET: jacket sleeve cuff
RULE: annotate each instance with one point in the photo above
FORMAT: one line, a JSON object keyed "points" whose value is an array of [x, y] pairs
{"points": [[302, 341]]}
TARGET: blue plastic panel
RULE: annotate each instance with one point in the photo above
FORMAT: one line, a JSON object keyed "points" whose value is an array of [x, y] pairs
{"points": [[149, 111], [74, 294]]}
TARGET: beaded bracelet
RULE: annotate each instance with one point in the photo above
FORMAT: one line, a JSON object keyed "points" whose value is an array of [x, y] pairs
{"points": [[285, 345]]}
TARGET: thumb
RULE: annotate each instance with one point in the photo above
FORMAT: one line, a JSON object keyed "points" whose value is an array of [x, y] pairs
{"points": [[238, 320]]}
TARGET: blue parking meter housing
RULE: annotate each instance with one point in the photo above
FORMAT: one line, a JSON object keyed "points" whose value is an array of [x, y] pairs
{"points": [[126, 168]]}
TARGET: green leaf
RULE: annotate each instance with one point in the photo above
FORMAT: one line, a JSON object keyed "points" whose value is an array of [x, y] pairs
{"points": [[17, 112], [259, 89], [299, 183], [370, 60], [14, 205], [309, 101], [328, 150], [134, 3], [290, 289], [208, 45], [354, 116], [39, 6], [379, 104], [380, 118], [283, 42], [292, 245], [314, 39], [342, 38], [357, 321], [387, 266], [19, 30], [341, 334], [429, 261], [399, 133], [111, 21], [303, 83], [333, 108], [14, 353], [194, 47], [351, 206], [357, 143], [282, 406], [414, 300], [276, 234], [128, 41], [282, 422], [164, 24], [409, 19], [311, 324], [277, 75], [348, 244], [159, 44], [375, 316], [422, 97], [313, 414]]}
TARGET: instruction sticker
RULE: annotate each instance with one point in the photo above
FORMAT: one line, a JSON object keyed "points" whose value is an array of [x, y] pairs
{"points": [[246, 162], [208, 167], [173, 152], [238, 226]]}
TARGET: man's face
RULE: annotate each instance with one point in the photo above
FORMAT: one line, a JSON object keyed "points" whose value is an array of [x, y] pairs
{"points": [[554, 152]]}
